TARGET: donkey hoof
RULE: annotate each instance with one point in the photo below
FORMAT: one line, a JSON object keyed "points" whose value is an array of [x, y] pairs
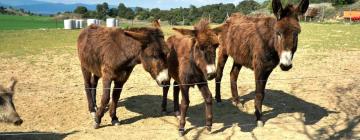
{"points": [[96, 125], [181, 132], [115, 122], [260, 123], [177, 113], [208, 128]]}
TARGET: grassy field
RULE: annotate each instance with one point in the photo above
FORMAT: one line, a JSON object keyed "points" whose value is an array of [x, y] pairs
{"points": [[317, 99], [23, 42], [10, 22]]}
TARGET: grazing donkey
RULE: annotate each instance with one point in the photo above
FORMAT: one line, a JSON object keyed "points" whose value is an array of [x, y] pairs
{"points": [[259, 43], [112, 54], [191, 62], [8, 112]]}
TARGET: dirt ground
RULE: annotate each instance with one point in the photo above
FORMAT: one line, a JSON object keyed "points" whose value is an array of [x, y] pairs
{"points": [[317, 99]]}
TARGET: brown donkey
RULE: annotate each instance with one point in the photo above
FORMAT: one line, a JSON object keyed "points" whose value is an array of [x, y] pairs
{"points": [[191, 62], [8, 112], [112, 54], [259, 43]]}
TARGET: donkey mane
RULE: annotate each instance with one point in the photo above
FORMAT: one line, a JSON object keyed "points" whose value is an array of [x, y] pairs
{"points": [[146, 30], [202, 25]]}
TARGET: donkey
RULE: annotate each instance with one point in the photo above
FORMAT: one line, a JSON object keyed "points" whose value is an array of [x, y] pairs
{"points": [[259, 43], [8, 112], [191, 62], [112, 54]]}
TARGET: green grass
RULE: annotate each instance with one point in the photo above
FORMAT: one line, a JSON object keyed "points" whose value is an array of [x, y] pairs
{"points": [[15, 43], [331, 36], [10, 22]]}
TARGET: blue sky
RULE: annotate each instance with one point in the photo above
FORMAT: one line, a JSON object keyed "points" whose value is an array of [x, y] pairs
{"points": [[162, 4]]}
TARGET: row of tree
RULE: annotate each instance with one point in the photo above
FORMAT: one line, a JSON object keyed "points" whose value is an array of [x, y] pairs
{"points": [[215, 12], [13, 11]]}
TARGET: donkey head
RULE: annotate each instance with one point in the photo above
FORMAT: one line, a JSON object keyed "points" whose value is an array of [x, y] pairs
{"points": [[154, 50], [206, 42], [287, 29], [8, 112]]}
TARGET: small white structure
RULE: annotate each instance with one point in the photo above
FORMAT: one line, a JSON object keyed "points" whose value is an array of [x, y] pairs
{"points": [[82, 23], [117, 23], [79, 23], [110, 22], [69, 24], [93, 21]]}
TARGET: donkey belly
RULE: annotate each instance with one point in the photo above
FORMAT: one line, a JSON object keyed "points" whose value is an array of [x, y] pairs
{"points": [[242, 56]]}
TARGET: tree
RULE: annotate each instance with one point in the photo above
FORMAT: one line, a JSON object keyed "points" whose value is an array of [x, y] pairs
{"points": [[122, 10], [113, 12], [81, 10], [342, 2], [102, 10], [155, 13], [129, 14], [2, 10], [247, 6]]}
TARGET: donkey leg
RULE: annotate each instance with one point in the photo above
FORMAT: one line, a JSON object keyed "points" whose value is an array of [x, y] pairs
{"points": [[261, 79], [234, 74], [94, 83], [104, 101], [222, 57], [208, 105], [176, 98], [184, 107], [164, 98], [87, 83], [115, 98]]}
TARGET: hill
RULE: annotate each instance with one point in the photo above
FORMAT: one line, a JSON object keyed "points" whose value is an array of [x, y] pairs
{"points": [[46, 8]]}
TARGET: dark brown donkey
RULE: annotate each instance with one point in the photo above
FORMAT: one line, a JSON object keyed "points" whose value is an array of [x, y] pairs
{"points": [[8, 112], [112, 54], [191, 62], [259, 43]]}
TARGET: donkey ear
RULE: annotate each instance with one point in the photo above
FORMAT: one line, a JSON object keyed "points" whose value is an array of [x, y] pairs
{"points": [[12, 84], [303, 6], [137, 36], [185, 31], [277, 8], [156, 23]]}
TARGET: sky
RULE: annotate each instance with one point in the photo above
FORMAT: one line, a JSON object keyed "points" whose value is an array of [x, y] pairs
{"points": [[162, 4]]}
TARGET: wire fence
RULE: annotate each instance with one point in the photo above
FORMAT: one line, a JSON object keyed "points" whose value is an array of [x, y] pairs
{"points": [[138, 85]]}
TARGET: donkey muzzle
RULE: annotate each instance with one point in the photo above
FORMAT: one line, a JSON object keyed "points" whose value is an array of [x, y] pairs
{"points": [[285, 67]]}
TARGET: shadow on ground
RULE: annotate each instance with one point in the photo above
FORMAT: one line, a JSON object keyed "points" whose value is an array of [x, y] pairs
{"points": [[33, 135], [226, 113]]}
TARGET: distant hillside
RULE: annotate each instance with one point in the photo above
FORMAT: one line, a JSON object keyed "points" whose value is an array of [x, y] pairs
{"points": [[40, 7], [53, 8]]}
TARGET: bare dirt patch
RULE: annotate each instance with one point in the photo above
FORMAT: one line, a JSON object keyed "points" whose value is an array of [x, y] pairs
{"points": [[317, 99]]}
